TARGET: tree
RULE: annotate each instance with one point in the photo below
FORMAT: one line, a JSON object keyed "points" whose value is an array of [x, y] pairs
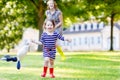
{"points": [[12, 17], [39, 7], [15, 16], [31, 13], [105, 9]]}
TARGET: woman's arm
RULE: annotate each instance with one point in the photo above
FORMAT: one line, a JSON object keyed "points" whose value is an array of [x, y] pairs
{"points": [[61, 21]]}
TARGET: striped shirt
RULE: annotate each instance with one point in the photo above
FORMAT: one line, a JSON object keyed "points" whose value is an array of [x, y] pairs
{"points": [[49, 43]]}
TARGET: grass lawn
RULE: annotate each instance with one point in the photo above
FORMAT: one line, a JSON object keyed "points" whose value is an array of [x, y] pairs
{"points": [[77, 66]]}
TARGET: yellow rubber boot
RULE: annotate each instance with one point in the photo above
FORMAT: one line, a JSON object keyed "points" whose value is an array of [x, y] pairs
{"points": [[61, 53]]}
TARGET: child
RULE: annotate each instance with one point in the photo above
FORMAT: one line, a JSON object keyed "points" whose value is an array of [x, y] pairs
{"points": [[20, 54], [48, 39]]}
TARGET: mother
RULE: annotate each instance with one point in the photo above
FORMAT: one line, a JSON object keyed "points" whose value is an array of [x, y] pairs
{"points": [[55, 14]]}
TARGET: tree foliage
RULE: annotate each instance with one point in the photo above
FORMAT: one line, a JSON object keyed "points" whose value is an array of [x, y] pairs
{"points": [[14, 18], [102, 9], [16, 15]]}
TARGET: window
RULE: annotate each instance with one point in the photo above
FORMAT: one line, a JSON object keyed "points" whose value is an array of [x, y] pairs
{"points": [[73, 27], [91, 26], [85, 40], [97, 25], [92, 40], [85, 26], [98, 40], [74, 42], [79, 41], [79, 27]]}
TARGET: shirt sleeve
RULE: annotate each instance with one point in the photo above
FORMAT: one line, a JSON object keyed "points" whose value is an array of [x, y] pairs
{"points": [[59, 12], [46, 13], [59, 36]]}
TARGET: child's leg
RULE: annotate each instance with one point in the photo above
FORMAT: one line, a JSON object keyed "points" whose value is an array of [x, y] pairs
{"points": [[46, 61], [9, 58], [51, 69], [18, 65]]}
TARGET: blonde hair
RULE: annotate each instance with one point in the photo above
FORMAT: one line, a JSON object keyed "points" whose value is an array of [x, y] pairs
{"points": [[55, 4]]}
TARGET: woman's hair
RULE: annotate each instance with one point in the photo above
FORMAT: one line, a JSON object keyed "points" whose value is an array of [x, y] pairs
{"points": [[44, 24], [55, 4]]}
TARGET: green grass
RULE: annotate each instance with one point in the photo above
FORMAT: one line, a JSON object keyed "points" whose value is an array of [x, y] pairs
{"points": [[77, 66]]}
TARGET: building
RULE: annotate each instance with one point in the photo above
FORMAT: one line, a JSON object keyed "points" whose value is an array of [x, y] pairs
{"points": [[91, 36]]}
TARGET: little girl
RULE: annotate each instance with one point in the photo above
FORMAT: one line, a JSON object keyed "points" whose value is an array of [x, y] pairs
{"points": [[48, 39]]}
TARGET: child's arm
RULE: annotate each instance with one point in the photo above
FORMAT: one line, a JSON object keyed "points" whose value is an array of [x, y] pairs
{"points": [[63, 38], [37, 42]]}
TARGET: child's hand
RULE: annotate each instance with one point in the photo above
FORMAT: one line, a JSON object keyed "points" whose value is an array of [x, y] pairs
{"points": [[36, 42], [69, 40]]}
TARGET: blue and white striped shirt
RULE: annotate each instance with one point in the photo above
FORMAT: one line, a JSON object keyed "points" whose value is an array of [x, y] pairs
{"points": [[49, 43]]}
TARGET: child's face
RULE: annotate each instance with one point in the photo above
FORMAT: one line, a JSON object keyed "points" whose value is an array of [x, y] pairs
{"points": [[49, 26]]}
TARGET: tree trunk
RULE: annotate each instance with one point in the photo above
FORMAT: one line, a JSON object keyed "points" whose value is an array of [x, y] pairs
{"points": [[111, 32], [8, 50], [40, 20]]}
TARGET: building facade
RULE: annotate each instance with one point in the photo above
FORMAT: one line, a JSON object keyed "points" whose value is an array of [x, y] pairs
{"points": [[91, 36]]}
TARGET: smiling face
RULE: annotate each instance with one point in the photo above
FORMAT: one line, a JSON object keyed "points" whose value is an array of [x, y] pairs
{"points": [[51, 4], [49, 26]]}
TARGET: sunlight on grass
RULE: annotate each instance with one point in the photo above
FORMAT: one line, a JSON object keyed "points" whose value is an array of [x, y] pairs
{"points": [[77, 66], [99, 58]]}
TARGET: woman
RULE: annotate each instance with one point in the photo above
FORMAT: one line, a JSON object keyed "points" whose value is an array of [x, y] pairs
{"points": [[55, 14]]}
